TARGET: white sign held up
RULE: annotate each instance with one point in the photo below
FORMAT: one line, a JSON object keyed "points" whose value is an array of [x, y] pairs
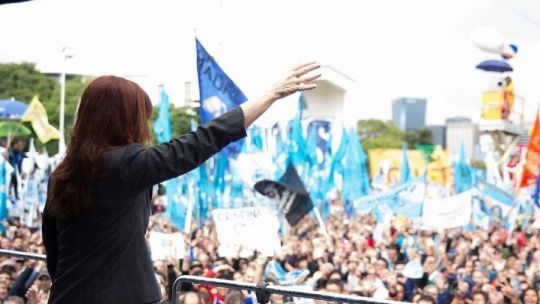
{"points": [[449, 212], [245, 230], [166, 245]]}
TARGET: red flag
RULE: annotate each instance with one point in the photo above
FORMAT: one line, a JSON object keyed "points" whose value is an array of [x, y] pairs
{"points": [[532, 158]]}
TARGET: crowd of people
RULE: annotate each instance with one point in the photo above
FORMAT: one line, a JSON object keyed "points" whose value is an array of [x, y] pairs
{"points": [[353, 256], [22, 281], [402, 263]]}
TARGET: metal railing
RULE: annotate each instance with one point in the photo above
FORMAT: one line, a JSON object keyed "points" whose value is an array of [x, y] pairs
{"points": [[23, 255], [264, 291]]}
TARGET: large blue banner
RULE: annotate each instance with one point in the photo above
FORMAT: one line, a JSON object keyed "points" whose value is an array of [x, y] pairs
{"points": [[217, 92]]}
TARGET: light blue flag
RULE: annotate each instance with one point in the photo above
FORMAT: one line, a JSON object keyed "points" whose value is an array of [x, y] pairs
{"points": [[355, 177], [256, 137], [202, 186], [297, 144], [409, 198], [405, 175], [462, 173], [336, 166], [176, 211], [218, 93], [219, 184], [162, 124], [311, 146], [162, 128], [275, 271], [406, 199], [495, 193]]}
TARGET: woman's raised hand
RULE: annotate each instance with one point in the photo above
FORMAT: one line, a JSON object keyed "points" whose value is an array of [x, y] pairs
{"points": [[298, 79]]}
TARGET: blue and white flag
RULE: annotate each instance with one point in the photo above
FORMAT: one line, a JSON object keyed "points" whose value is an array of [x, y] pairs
{"points": [[462, 173], [275, 271], [218, 93], [355, 175], [405, 173], [176, 209], [497, 202], [406, 199], [162, 124]]}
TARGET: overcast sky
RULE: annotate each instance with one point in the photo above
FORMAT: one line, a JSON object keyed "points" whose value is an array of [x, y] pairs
{"points": [[417, 48]]}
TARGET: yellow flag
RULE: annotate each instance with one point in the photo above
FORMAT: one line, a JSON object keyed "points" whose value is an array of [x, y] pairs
{"points": [[36, 114]]}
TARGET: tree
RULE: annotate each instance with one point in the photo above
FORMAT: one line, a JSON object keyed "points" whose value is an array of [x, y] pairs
{"points": [[180, 120], [376, 133], [422, 136], [23, 81]]}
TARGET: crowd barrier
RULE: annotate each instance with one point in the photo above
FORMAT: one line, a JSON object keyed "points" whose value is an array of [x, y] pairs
{"points": [[263, 291], [22, 255]]}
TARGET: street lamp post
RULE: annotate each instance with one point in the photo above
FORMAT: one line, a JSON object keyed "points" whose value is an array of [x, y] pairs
{"points": [[66, 52]]}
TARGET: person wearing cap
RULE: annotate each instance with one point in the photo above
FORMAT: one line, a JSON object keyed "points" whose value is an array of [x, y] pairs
{"points": [[44, 281]]}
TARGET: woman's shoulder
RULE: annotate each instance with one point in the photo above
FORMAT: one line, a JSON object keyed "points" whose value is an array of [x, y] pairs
{"points": [[120, 155]]}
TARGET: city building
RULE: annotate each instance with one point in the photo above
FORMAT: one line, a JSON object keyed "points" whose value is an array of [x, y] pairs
{"points": [[439, 135], [461, 130], [409, 113]]}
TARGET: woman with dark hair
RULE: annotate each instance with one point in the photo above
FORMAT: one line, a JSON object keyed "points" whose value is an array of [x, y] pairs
{"points": [[530, 296], [98, 203]]}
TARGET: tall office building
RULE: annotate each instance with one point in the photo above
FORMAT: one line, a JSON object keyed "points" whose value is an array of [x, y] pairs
{"points": [[409, 113], [439, 135], [461, 130]]}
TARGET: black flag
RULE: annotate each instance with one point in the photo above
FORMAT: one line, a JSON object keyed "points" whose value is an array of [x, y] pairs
{"points": [[290, 194]]}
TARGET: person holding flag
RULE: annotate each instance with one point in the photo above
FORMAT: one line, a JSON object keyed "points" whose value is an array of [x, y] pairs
{"points": [[98, 204]]}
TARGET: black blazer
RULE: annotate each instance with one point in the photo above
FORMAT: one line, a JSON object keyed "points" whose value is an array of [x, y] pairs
{"points": [[103, 258]]}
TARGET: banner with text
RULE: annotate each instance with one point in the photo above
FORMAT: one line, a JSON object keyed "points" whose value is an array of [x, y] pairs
{"points": [[243, 231], [449, 212]]}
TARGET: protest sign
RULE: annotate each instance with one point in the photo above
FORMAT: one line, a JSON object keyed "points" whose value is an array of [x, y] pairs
{"points": [[450, 212], [243, 231], [166, 245]]}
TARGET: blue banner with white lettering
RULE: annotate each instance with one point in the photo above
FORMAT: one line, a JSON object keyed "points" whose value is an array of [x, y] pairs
{"points": [[217, 92]]}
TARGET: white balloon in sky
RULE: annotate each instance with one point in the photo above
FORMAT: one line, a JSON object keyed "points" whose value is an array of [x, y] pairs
{"points": [[488, 39]]}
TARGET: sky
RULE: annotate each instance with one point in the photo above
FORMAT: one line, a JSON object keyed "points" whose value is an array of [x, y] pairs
{"points": [[391, 48]]}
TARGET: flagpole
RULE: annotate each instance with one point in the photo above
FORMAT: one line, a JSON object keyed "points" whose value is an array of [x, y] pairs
{"points": [[320, 220], [11, 137], [187, 225], [66, 55]]}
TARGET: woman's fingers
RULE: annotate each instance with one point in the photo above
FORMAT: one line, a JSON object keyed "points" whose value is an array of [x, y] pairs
{"points": [[308, 87], [306, 69], [309, 78], [301, 66]]}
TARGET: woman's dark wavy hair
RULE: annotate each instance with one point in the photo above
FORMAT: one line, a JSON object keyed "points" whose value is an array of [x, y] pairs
{"points": [[113, 112]]}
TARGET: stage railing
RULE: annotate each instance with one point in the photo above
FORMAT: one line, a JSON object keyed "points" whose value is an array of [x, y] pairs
{"points": [[264, 291], [22, 255]]}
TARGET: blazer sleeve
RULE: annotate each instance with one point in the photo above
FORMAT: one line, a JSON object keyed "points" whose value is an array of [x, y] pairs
{"points": [[142, 167]]}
